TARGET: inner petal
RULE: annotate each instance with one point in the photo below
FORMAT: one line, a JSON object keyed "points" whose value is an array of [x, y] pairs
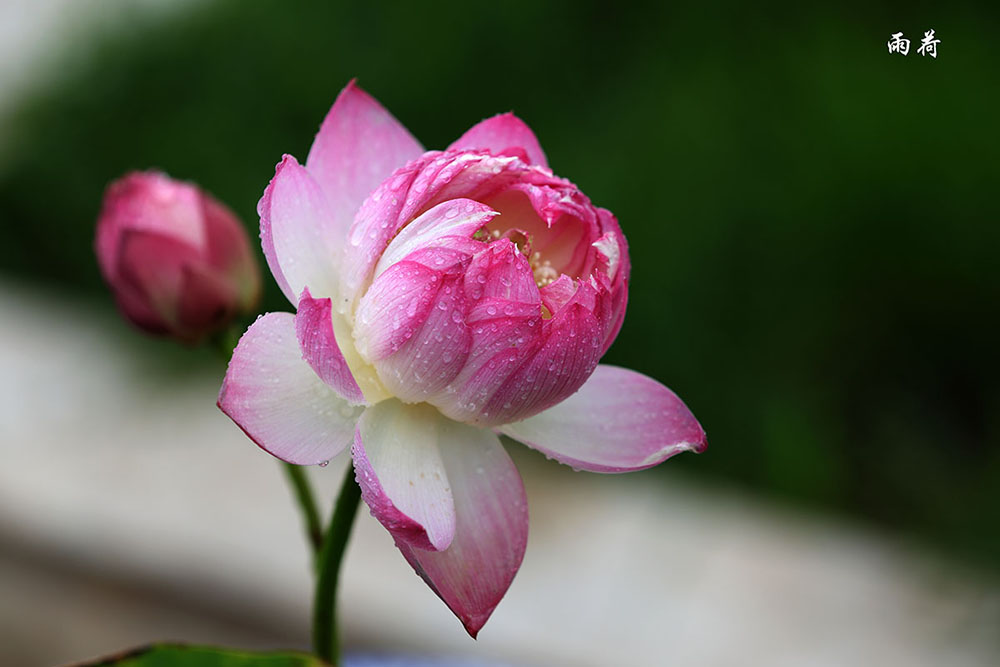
{"points": [[554, 247]]}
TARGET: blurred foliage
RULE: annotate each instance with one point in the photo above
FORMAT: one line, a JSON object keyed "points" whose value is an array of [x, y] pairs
{"points": [[813, 221]]}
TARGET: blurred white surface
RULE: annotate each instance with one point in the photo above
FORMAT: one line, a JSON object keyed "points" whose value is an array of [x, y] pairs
{"points": [[131, 509]]}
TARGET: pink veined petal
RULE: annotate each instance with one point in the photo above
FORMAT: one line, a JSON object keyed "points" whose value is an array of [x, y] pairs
{"points": [[152, 265], [566, 358], [516, 380], [447, 253], [277, 399], [619, 284], [403, 480], [228, 250], [436, 352], [300, 242], [456, 217], [136, 309], [394, 307], [314, 329], [619, 421], [558, 293], [472, 575], [501, 272], [358, 146], [500, 133]]}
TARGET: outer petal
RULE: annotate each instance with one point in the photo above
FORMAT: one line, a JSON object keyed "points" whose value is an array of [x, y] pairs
{"points": [[516, 373], [619, 277], [567, 358], [501, 133], [314, 329], [228, 250], [296, 231], [491, 532], [619, 421], [358, 146], [207, 302], [152, 265], [402, 477], [277, 399]]}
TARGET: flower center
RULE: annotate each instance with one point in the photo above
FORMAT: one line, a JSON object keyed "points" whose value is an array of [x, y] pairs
{"points": [[542, 269]]}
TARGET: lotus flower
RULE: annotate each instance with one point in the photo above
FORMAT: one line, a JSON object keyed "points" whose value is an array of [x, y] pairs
{"points": [[443, 298], [178, 261]]}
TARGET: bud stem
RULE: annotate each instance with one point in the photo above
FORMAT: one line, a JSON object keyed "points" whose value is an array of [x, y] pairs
{"points": [[307, 503]]}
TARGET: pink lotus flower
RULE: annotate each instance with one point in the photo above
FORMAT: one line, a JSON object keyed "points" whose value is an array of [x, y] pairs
{"points": [[443, 298], [178, 261]]}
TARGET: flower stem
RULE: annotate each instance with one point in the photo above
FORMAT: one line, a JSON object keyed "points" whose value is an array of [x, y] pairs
{"points": [[326, 641], [307, 503]]}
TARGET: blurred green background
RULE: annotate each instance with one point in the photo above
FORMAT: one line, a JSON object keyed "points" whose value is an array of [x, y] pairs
{"points": [[813, 221]]}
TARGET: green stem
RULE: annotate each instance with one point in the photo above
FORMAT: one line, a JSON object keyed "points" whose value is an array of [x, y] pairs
{"points": [[307, 503], [326, 641]]}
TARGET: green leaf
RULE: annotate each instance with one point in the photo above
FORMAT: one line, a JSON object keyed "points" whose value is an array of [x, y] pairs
{"points": [[167, 655]]}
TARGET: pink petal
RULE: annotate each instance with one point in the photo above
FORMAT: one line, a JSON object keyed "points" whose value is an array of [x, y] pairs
{"points": [[558, 293], [454, 218], [358, 146], [152, 266], [619, 421], [619, 283], [277, 399], [228, 250], [473, 574], [394, 306], [402, 478], [314, 328], [207, 302], [500, 272], [413, 329], [300, 242], [516, 372], [501, 133], [134, 306], [566, 358]]}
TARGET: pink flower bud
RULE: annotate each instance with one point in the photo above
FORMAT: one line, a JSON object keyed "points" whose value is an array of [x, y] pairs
{"points": [[177, 260]]}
